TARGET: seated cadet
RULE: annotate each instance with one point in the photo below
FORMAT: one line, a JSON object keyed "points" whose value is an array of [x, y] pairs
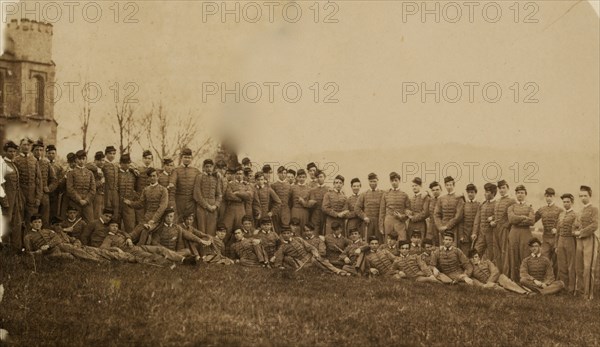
{"points": [[172, 236], [486, 275], [451, 261], [296, 253], [248, 252], [315, 241], [268, 238], [349, 255], [215, 252], [57, 244], [416, 243], [74, 225], [335, 243], [296, 227], [248, 227], [426, 256], [412, 266], [377, 261], [96, 231], [187, 226], [391, 244], [121, 242], [536, 271]]}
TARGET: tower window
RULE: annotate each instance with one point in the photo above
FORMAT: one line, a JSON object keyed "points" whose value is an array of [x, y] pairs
{"points": [[39, 95]]}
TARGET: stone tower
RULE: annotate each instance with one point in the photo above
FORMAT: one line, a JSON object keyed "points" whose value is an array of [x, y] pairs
{"points": [[27, 82]]}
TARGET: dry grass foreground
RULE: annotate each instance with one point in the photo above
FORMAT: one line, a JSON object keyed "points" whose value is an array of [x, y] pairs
{"points": [[85, 304]]}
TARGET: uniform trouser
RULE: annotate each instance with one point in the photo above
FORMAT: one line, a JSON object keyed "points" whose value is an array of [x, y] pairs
{"points": [[54, 200], [86, 212], [233, 216], [98, 205], [330, 221], [282, 218], [552, 288], [82, 252], [174, 256], [421, 277], [518, 249], [586, 260], [207, 221], [185, 205], [432, 232], [393, 224], [321, 263], [505, 283], [549, 250], [317, 218], [565, 258], [350, 269], [500, 248], [444, 278], [464, 246], [456, 276], [44, 210], [222, 211], [140, 235], [143, 256], [29, 210], [371, 229], [13, 221], [139, 216], [485, 244], [301, 214], [111, 199], [126, 216]]}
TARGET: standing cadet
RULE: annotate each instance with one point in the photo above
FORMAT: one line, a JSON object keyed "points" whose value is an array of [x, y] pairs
{"points": [[394, 209], [126, 179], [419, 208], [265, 201], [142, 181], [502, 226], [111, 178], [81, 187], [208, 196], [299, 199], [565, 244], [483, 231], [449, 210], [30, 180], [432, 231], [282, 188], [549, 216], [62, 184], [466, 227], [368, 206], [311, 169], [521, 218], [182, 180], [238, 195], [586, 257], [354, 222], [268, 172], [536, 271], [153, 201], [451, 261], [12, 203], [315, 202], [163, 179], [59, 173], [291, 176], [335, 205], [48, 178], [96, 170], [223, 180]]}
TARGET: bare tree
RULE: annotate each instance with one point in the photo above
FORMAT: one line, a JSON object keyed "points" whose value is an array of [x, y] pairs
{"points": [[84, 118], [129, 127], [166, 136]]}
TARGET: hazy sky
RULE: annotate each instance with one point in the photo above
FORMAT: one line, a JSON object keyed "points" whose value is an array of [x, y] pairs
{"points": [[368, 58]]}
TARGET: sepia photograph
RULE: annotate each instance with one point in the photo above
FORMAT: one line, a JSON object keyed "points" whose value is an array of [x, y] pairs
{"points": [[299, 173]]}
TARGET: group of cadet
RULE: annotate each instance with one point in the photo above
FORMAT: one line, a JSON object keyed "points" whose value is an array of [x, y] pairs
{"points": [[109, 210]]}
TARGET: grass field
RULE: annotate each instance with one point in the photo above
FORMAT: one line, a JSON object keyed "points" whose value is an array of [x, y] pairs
{"points": [[86, 304]]}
